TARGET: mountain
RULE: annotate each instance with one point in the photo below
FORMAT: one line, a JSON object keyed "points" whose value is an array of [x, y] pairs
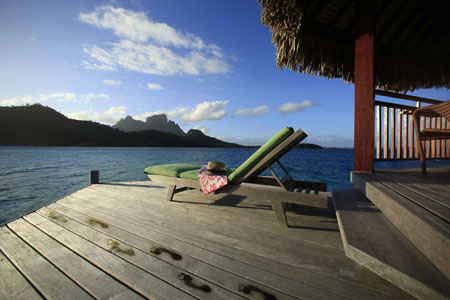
{"points": [[161, 123], [129, 124], [155, 122], [37, 125]]}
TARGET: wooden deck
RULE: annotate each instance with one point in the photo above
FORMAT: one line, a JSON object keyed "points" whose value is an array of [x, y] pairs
{"points": [[125, 241]]}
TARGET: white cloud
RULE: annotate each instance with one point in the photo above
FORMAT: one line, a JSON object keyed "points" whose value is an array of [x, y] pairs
{"points": [[110, 117], [144, 46], [207, 111], [150, 59], [202, 112], [257, 111], [60, 97], [135, 26], [112, 82], [176, 113], [154, 86], [93, 96], [290, 107], [202, 129], [12, 102]]}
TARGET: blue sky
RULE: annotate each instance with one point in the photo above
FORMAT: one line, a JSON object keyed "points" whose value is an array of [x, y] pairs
{"points": [[208, 64]]}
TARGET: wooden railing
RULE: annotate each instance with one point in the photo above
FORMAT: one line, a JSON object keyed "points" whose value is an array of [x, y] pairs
{"points": [[394, 129]]}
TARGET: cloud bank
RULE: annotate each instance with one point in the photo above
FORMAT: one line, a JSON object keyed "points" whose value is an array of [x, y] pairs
{"points": [[257, 111], [290, 107], [149, 47], [60, 97], [204, 111], [110, 117], [154, 86], [112, 82]]}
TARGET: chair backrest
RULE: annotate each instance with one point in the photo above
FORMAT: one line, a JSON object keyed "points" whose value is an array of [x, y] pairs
{"points": [[275, 154], [443, 109], [256, 157], [259, 161]]}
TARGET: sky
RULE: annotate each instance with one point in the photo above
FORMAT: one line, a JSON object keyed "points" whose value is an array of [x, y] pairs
{"points": [[207, 64]]}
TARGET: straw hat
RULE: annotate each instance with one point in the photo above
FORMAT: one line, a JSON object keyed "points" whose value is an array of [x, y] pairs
{"points": [[215, 168]]}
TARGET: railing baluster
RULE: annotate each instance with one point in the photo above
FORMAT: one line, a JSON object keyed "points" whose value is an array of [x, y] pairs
{"points": [[411, 137], [428, 143], [443, 148], [422, 127], [395, 131], [433, 143], [392, 134], [385, 132], [438, 142], [399, 133], [378, 130], [448, 141], [405, 136]]}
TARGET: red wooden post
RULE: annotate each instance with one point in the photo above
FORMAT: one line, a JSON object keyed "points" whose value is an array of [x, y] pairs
{"points": [[364, 86]]}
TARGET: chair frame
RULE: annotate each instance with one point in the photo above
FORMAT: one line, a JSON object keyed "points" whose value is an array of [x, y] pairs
{"points": [[437, 110], [273, 188]]}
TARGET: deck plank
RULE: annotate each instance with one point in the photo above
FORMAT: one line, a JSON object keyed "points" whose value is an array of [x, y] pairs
{"points": [[385, 251], [268, 279], [426, 188], [231, 265], [153, 221], [134, 277], [167, 272], [417, 194], [12, 284], [42, 274], [225, 233], [96, 282], [262, 218], [236, 225], [197, 267]]}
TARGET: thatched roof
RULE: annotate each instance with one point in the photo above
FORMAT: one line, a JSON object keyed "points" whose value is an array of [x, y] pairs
{"points": [[412, 40]]}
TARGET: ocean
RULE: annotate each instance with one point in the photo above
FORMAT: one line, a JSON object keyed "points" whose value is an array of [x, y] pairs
{"points": [[31, 177]]}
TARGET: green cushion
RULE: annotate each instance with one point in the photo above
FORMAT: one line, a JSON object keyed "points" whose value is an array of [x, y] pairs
{"points": [[260, 153], [193, 174], [172, 170]]}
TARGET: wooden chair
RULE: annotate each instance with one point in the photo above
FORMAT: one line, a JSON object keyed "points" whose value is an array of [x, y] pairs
{"points": [[273, 188], [437, 110]]}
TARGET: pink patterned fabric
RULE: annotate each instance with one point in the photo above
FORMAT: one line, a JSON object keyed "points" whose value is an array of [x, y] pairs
{"points": [[210, 183]]}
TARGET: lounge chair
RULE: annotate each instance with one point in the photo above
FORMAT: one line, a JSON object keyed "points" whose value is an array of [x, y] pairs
{"points": [[437, 110], [245, 180]]}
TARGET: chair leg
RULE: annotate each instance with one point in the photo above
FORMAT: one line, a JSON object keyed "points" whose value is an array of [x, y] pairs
{"points": [[420, 145], [419, 142], [170, 192], [279, 212]]}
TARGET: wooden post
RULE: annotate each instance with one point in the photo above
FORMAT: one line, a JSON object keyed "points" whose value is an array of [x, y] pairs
{"points": [[94, 177], [364, 86]]}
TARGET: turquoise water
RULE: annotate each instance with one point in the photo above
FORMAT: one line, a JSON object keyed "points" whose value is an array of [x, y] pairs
{"points": [[31, 177]]}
